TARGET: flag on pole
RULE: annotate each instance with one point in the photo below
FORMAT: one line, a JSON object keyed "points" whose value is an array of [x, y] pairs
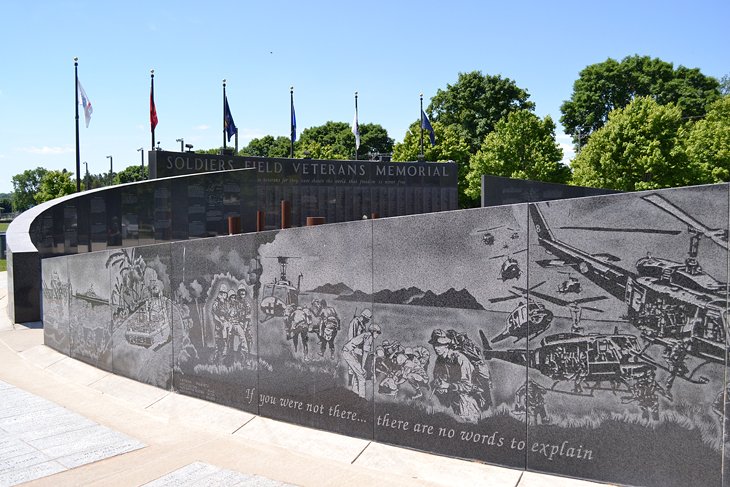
{"points": [[356, 130], [426, 125], [88, 109], [228, 124], [153, 110], [293, 124]]}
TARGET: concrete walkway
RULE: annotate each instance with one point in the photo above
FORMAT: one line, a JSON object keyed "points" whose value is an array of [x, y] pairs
{"points": [[152, 436]]}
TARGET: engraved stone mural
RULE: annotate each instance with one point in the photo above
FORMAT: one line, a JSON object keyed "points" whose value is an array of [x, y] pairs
{"points": [[214, 327], [441, 287]]}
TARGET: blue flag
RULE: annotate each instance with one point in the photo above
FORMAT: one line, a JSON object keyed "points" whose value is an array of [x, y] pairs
{"points": [[293, 124], [228, 125], [426, 125]]}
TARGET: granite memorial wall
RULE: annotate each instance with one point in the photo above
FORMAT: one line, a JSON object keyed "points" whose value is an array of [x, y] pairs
{"points": [[336, 190], [584, 338]]}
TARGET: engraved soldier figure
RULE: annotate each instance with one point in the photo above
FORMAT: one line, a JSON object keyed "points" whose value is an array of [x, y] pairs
{"points": [[240, 311], [221, 317], [675, 356], [357, 354], [359, 324], [530, 399], [452, 378], [329, 325], [297, 324]]}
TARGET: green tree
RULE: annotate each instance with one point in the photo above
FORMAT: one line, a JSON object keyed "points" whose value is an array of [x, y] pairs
{"points": [[131, 174], [521, 146], [603, 87], [25, 187], [708, 141], [55, 184], [725, 85], [475, 103], [267, 146], [450, 146], [638, 148], [335, 140], [6, 205]]}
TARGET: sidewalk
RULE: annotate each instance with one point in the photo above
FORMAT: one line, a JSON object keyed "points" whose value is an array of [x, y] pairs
{"points": [[180, 440]]}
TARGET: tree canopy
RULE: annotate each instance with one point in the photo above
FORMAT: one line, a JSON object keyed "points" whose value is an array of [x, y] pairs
{"points": [[25, 187], [609, 85], [707, 142], [267, 146], [638, 148], [475, 103], [131, 174], [335, 140], [55, 184], [450, 146], [521, 146]]}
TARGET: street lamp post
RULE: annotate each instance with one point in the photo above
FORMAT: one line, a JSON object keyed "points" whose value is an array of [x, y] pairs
{"points": [[111, 170], [181, 144], [141, 153]]}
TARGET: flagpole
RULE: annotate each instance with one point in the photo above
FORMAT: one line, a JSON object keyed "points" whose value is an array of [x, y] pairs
{"points": [[293, 128], [78, 155], [420, 155], [356, 122], [152, 98], [224, 113]]}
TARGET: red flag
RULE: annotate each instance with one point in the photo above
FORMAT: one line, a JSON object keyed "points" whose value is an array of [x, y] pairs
{"points": [[153, 111]]}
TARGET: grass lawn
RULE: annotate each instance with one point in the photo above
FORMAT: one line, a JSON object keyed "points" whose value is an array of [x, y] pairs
{"points": [[4, 226], [3, 265]]}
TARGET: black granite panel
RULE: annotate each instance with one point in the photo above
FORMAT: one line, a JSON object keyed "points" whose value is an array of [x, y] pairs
{"points": [[196, 210], [624, 383], [90, 310], [315, 359], [130, 216], [146, 213], [215, 223], [56, 298], [24, 287], [162, 223], [214, 346], [83, 224], [497, 190], [70, 228], [179, 209], [442, 297], [142, 314], [113, 206], [58, 234], [97, 222]]}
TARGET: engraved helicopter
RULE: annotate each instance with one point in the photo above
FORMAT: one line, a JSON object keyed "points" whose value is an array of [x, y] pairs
{"points": [[528, 318], [593, 361], [670, 302], [510, 268], [280, 294]]}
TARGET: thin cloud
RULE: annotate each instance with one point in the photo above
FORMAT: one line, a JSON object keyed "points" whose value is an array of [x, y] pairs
{"points": [[202, 127], [45, 150]]}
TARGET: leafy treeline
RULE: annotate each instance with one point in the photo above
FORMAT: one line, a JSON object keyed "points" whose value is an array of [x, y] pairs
{"points": [[638, 123]]}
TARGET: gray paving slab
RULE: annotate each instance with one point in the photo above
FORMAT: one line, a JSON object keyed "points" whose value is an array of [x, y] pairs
{"points": [[201, 474], [22, 475], [40, 438]]}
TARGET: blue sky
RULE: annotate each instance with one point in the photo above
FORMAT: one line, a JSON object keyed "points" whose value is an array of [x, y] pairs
{"points": [[388, 51]]}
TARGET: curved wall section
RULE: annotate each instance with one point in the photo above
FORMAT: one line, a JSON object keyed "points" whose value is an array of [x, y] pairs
{"points": [[128, 215], [580, 337]]}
